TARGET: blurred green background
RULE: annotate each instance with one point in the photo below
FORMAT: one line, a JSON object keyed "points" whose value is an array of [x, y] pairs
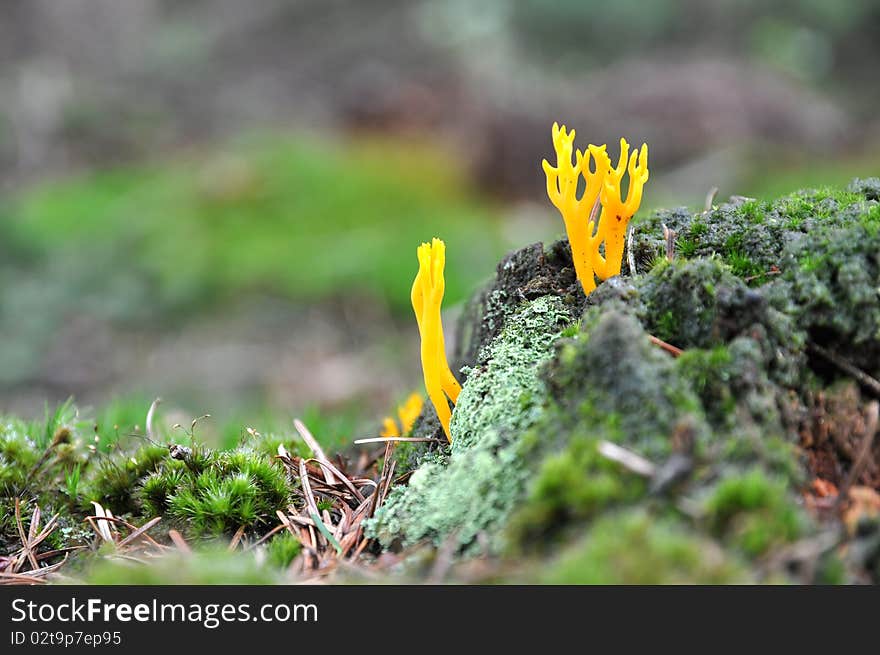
{"points": [[219, 202]]}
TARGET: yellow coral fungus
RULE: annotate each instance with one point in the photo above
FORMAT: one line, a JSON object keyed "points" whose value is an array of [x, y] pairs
{"points": [[562, 184], [602, 185], [427, 296], [407, 413]]}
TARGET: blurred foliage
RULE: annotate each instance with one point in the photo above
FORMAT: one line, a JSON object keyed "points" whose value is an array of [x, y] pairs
{"points": [[210, 565], [782, 174], [814, 40], [120, 422], [301, 217]]}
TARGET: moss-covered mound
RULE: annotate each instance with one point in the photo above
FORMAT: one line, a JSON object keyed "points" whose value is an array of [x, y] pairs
{"points": [[707, 371]]}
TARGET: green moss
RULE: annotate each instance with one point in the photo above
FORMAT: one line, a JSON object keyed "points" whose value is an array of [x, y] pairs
{"points": [[571, 486], [705, 420], [751, 236], [157, 489], [614, 382], [754, 211], [698, 228], [687, 302], [754, 511], [282, 549], [668, 326], [611, 384], [207, 492], [709, 374], [571, 331], [18, 456], [701, 304], [38, 461], [635, 547], [686, 247], [237, 488], [831, 291], [742, 266], [113, 482]]}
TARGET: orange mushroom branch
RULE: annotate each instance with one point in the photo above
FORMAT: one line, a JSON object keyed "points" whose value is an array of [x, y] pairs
{"points": [[616, 212]]}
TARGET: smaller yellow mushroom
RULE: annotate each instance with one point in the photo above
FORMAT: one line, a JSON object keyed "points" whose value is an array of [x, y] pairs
{"points": [[407, 413], [389, 428], [427, 296]]}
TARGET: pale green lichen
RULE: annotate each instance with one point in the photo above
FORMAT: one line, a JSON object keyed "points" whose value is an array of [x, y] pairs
{"points": [[474, 488]]}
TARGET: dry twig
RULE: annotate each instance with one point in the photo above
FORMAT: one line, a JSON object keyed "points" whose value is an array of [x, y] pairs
{"points": [[668, 347]]}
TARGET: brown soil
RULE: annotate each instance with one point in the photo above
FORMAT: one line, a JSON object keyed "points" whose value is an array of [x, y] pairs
{"points": [[833, 433]]}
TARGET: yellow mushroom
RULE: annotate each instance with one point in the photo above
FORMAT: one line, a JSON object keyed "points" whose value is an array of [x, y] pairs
{"points": [[389, 428], [427, 296], [407, 413], [584, 235]]}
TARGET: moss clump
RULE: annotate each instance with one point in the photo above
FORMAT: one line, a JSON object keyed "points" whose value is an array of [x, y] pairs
{"points": [[702, 304], [704, 419], [36, 461], [634, 547], [157, 489], [282, 549], [203, 491], [752, 511], [608, 384], [698, 303], [734, 385], [60, 465], [116, 477], [239, 488], [710, 371], [751, 235], [19, 455], [473, 487], [571, 486], [830, 289], [610, 375]]}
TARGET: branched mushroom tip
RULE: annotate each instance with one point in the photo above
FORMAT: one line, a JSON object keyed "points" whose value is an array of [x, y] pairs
{"points": [[586, 233], [427, 296]]}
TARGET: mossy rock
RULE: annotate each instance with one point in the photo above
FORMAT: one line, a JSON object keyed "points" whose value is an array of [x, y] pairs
{"points": [[753, 286]]}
